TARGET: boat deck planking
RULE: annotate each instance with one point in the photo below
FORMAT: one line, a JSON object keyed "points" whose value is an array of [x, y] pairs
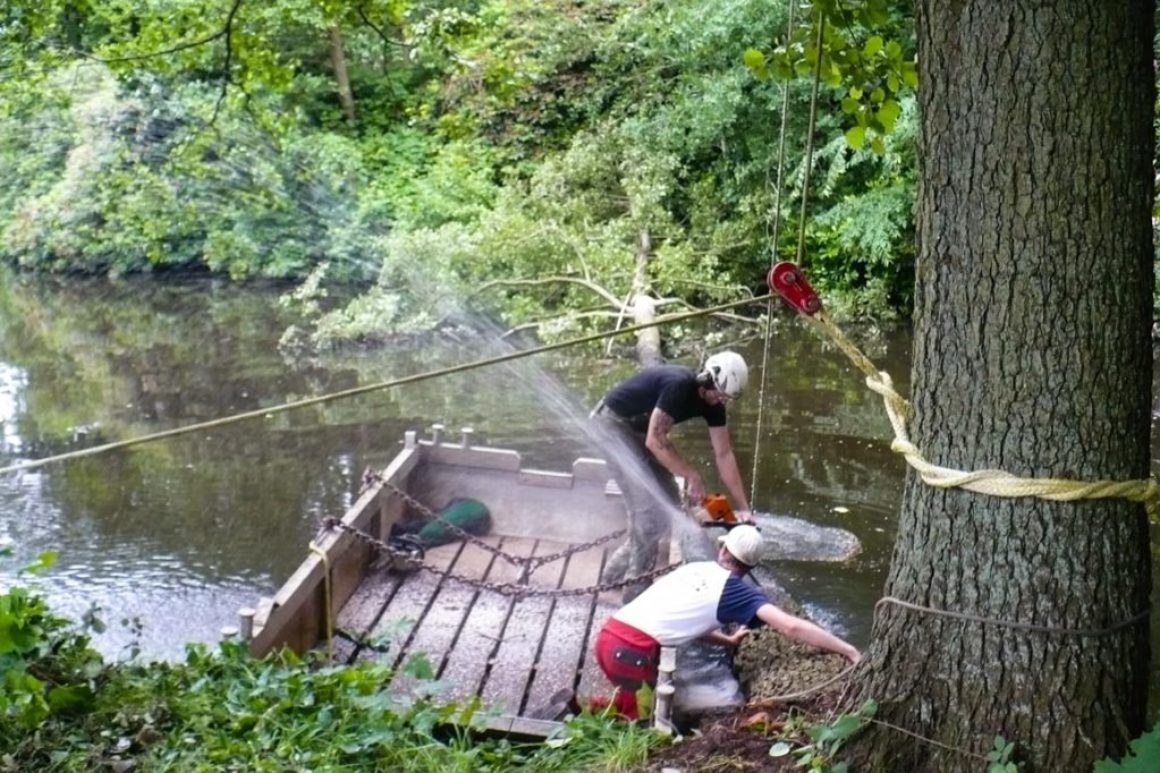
{"points": [[515, 654]]}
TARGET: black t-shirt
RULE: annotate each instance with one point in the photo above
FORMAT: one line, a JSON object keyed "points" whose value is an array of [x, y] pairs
{"points": [[672, 388]]}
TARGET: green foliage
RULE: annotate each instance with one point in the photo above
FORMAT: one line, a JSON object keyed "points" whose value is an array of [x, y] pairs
{"points": [[870, 71], [1141, 758], [61, 708], [826, 739], [999, 758], [540, 139], [47, 667]]}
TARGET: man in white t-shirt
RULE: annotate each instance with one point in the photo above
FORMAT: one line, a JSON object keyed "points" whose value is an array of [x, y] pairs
{"points": [[692, 602]]}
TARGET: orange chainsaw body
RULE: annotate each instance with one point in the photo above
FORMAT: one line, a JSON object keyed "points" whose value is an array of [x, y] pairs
{"points": [[718, 508]]}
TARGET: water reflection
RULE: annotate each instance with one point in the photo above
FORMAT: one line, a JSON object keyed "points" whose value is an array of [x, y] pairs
{"points": [[183, 532]]}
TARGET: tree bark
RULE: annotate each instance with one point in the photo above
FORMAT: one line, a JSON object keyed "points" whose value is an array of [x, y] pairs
{"points": [[1032, 355], [648, 341], [341, 77]]}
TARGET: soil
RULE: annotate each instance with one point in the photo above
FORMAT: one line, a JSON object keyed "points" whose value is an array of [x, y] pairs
{"points": [[739, 741]]}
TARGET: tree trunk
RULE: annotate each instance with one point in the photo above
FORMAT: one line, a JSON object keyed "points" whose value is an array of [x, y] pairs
{"points": [[1032, 355], [648, 341], [341, 77]]}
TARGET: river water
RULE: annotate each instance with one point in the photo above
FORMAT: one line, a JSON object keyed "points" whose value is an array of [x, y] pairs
{"points": [[170, 538]]}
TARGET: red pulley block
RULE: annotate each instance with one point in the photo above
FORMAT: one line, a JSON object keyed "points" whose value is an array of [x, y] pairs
{"points": [[788, 281]]}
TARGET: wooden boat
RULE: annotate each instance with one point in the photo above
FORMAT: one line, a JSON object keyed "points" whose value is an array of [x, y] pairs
{"points": [[516, 652]]}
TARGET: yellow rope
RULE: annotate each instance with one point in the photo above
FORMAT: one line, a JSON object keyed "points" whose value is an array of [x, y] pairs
{"points": [[314, 548], [994, 482], [267, 412]]}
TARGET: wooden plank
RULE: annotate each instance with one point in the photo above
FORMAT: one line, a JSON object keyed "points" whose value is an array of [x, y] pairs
{"points": [[485, 629], [558, 664], [509, 668], [592, 679], [437, 628], [361, 613], [479, 457], [410, 603]]}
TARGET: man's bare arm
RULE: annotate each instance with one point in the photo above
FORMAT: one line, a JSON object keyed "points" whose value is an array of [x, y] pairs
{"points": [[727, 467], [658, 442], [806, 632]]}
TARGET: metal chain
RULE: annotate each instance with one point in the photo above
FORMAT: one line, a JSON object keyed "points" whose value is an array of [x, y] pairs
{"points": [[513, 589], [526, 564]]}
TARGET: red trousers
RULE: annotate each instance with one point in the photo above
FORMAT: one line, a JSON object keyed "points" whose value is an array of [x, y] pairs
{"points": [[628, 657]]}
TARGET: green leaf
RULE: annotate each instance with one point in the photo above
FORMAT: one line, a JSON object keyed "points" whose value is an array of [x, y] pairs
{"points": [[833, 76], [779, 749], [849, 106], [877, 95], [888, 114], [910, 74], [856, 136], [419, 666], [42, 562], [878, 146], [873, 46], [754, 59], [73, 698]]}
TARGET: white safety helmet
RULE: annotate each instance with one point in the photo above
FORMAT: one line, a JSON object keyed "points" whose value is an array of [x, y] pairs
{"points": [[728, 373]]}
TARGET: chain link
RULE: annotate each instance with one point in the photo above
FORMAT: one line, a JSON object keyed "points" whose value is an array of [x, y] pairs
{"points": [[526, 564], [511, 589]]}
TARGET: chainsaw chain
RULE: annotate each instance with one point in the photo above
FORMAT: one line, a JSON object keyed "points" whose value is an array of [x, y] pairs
{"points": [[526, 564], [511, 589]]}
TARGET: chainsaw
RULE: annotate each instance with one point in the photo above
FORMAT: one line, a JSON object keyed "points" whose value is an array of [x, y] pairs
{"points": [[715, 510]]}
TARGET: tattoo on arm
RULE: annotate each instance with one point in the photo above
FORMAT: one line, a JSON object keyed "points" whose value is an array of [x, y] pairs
{"points": [[659, 427]]}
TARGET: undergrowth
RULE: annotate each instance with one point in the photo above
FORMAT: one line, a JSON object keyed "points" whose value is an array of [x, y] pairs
{"points": [[63, 708]]}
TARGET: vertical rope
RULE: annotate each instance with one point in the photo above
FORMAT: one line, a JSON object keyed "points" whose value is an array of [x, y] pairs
{"points": [[773, 239], [329, 599], [801, 248]]}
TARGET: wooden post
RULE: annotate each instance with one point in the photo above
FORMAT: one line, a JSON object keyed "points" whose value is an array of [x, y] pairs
{"points": [[663, 710], [246, 622]]}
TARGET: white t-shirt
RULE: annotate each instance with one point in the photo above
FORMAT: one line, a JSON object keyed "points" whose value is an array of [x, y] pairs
{"points": [[691, 601]]}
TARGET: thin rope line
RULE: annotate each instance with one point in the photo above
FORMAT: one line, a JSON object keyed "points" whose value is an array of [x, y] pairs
{"points": [[1044, 629], [773, 239], [801, 248], [265, 412], [923, 738]]}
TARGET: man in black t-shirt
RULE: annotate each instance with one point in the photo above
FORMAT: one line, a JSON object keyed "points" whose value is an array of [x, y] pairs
{"points": [[635, 419]]}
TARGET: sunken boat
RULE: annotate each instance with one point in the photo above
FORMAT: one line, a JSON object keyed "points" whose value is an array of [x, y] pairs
{"points": [[505, 614]]}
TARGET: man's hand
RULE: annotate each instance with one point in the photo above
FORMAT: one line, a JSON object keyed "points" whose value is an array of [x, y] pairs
{"points": [[736, 637], [696, 488], [854, 656], [744, 516]]}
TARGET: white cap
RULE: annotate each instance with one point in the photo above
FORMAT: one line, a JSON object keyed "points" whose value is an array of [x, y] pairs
{"points": [[744, 543]]}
